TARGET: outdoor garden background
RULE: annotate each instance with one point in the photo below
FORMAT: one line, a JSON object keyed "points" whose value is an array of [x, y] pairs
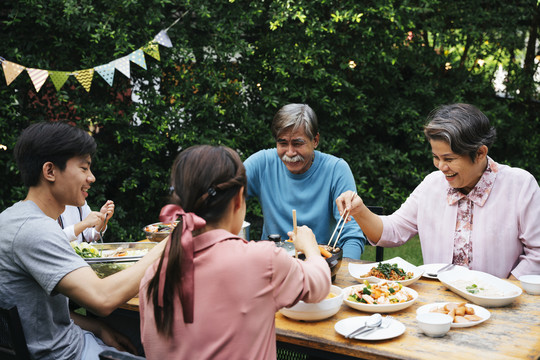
{"points": [[371, 70]]}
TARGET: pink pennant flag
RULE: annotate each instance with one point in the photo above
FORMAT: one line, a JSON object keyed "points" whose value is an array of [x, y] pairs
{"points": [[163, 39], [138, 58], [122, 65], [38, 77], [11, 70]]}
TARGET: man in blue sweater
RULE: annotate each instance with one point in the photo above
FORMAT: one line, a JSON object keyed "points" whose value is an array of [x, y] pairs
{"points": [[296, 176]]}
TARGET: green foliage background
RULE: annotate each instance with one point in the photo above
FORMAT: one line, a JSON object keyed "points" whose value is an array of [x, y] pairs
{"points": [[372, 71]]}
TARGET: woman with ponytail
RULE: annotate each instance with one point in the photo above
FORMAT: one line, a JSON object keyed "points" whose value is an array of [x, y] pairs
{"points": [[213, 295]]}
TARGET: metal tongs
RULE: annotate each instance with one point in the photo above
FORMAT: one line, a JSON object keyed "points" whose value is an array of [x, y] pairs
{"points": [[101, 234]]}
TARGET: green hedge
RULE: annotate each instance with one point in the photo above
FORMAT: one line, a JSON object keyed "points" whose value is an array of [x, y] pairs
{"points": [[372, 70]]}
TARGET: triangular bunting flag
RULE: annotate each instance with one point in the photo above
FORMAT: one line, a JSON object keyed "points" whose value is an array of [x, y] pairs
{"points": [[11, 70], [138, 58], [85, 78], [163, 39], [152, 49], [59, 78], [122, 65], [107, 72], [38, 77]]}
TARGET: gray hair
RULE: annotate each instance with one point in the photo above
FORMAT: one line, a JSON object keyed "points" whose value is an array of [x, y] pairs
{"points": [[462, 126], [295, 116]]}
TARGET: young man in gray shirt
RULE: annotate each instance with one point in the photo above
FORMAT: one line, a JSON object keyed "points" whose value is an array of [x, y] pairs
{"points": [[39, 270]]}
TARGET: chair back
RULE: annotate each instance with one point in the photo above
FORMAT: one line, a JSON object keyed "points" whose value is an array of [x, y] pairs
{"points": [[113, 355], [12, 340], [379, 251]]}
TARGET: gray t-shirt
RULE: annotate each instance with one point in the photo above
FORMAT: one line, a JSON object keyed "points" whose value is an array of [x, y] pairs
{"points": [[35, 255]]}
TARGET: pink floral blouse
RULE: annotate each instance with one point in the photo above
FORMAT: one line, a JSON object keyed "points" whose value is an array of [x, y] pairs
{"points": [[463, 250]]}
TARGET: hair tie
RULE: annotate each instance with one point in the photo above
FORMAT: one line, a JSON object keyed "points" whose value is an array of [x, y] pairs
{"points": [[212, 191], [186, 289]]}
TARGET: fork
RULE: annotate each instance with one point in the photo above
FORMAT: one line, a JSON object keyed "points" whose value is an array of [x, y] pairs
{"points": [[384, 325]]}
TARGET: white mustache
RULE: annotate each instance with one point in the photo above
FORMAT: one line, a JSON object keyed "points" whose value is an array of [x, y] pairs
{"points": [[296, 158]]}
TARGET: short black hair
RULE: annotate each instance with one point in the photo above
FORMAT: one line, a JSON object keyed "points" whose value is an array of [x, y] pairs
{"points": [[56, 142]]}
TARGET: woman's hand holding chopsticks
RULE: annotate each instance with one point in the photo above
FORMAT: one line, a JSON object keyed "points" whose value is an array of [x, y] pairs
{"points": [[304, 240], [350, 204]]}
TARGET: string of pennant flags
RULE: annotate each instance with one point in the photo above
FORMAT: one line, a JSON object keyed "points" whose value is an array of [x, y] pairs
{"points": [[85, 77]]}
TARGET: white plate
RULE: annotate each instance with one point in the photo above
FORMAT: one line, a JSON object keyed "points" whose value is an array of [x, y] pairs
{"points": [[357, 270], [433, 268], [454, 280], [478, 310], [379, 308], [346, 326]]}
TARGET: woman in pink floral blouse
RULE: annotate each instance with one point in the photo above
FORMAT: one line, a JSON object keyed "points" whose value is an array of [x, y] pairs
{"points": [[474, 212]]}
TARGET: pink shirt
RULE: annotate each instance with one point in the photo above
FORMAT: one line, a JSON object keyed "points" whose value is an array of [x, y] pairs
{"points": [[506, 233], [239, 286]]}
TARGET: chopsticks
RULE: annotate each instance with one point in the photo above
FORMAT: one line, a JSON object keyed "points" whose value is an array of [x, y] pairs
{"points": [[294, 230], [342, 218]]}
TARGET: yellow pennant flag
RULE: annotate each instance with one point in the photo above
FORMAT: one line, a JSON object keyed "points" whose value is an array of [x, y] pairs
{"points": [[85, 78], [11, 70], [152, 49], [58, 78]]}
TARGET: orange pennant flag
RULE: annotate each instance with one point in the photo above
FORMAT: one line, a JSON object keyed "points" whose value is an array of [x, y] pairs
{"points": [[85, 78], [11, 70]]}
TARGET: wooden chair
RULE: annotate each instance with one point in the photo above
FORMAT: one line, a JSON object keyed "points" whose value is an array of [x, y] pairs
{"points": [[379, 251], [12, 340]]}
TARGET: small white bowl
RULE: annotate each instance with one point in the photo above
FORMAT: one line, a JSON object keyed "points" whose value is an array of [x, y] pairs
{"points": [[316, 311], [531, 284], [434, 324]]}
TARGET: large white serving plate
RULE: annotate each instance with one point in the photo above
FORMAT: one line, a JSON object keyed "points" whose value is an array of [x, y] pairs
{"points": [[455, 280], [379, 308], [357, 270]]}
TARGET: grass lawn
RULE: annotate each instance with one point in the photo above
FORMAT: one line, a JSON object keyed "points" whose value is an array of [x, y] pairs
{"points": [[410, 251]]}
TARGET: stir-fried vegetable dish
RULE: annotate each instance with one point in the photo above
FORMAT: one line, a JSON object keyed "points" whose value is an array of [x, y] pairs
{"points": [[85, 250], [380, 293], [389, 272]]}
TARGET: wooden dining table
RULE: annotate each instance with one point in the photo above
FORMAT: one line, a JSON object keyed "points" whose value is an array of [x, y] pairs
{"points": [[511, 332]]}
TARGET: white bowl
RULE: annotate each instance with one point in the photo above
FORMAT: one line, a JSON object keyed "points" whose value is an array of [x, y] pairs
{"points": [[502, 292], [434, 324], [316, 311], [530, 283], [379, 308], [357, 270]]}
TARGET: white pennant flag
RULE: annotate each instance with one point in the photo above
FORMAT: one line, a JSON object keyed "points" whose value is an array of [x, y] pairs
{"points": [[163, 39], [122, 65]]}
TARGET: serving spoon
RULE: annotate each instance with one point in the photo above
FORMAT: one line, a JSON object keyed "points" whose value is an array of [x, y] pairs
{"points": [[444, 268]]}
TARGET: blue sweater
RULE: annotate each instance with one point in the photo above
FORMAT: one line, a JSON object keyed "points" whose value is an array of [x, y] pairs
{"points": [[312, 194]]}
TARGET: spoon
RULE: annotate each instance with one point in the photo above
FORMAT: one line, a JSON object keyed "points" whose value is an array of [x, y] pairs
{"points": [[444, 268], [384, 325], [373, 321]]}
